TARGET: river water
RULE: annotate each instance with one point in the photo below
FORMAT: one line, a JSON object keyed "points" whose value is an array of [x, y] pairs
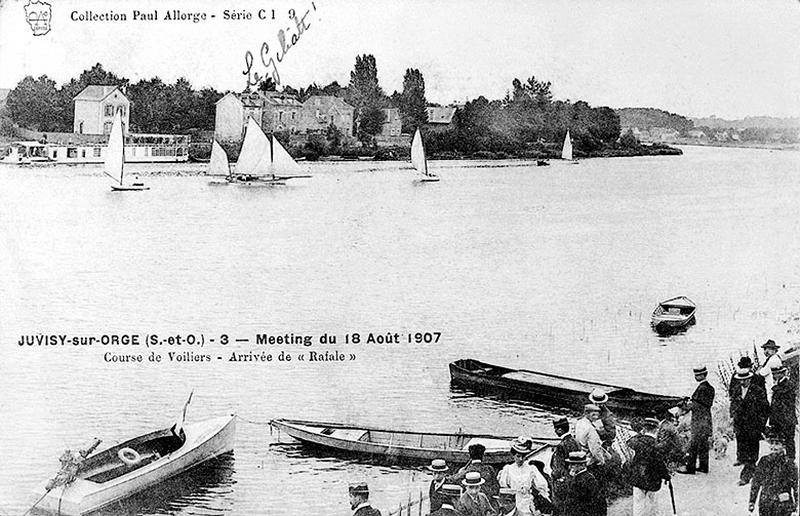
{"points": [[548, 268]]}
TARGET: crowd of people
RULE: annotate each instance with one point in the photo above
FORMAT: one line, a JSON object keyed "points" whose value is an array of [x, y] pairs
{"points": [[599, 452]]}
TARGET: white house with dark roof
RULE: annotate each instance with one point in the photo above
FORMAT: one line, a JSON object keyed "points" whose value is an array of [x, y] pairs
{"points": [[95, 107], [275, 112], [440, 118]]}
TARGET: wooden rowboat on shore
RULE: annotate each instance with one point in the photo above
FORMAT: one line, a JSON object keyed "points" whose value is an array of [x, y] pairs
{"points": [[123, 470], [404, 446], [553, 390]]}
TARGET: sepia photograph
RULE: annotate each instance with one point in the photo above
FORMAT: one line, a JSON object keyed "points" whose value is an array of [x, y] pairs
{"points": [[423, 258]]}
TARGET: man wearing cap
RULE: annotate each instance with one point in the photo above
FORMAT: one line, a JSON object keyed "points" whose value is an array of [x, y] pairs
{"points": [[773, 360], [487, 472], [776, 480], [749, 411], [589, 440], [507, 501], [473, 502], [646, 469], [439, 469], [782, 416], [558, 461], [359, 500], [449, 494], [584, 495], [700, 405]]}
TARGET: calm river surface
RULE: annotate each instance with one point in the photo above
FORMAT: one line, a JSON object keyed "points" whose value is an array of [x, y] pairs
{"points": [[550, 268]]}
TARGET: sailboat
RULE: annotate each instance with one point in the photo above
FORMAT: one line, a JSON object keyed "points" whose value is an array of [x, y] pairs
{"points": [[419, 161], [566, 151], [115, 160], [262, 162], [218, 164]]}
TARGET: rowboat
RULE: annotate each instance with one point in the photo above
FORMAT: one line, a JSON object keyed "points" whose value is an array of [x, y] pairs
{"points": [[553, 390], [400, 445], [673, 315], [123, 470]]}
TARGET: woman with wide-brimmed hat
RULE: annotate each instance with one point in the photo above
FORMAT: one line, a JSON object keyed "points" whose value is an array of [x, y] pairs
{"points": [[522, 477]]}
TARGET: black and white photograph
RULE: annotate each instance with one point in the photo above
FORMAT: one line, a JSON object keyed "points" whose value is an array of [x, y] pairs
{"points": [[424, 258]]}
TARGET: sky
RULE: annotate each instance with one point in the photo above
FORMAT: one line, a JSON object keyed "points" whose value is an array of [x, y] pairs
{"points": [[728, 58]]}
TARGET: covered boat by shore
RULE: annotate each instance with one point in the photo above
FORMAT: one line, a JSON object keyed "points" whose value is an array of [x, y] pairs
{"points": [[401, 445], [673, 315], [123, 470], [553, 390]]}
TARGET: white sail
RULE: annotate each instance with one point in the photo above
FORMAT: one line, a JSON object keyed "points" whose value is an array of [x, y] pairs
{"points": [[418, 155], [282, 162], [115, 152], [218, 166], [566, 152], [255, 157]]}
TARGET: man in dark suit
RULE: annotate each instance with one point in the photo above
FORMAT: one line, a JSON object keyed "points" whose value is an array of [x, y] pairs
{"points": [[584, 495], [782, 417], [359, 500], [507, 500], [749, 411], [646, 469], [700, 405], [474, 502], [558, 461], [775, 479], [449, 494], [490, 486], [439, 469]]}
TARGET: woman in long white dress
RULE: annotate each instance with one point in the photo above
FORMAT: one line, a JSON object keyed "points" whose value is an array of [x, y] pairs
{"points": [[521, 476]]}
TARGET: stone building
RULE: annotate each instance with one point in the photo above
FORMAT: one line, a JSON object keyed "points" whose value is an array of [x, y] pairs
{"points": [[320, 111], [275, 112]]}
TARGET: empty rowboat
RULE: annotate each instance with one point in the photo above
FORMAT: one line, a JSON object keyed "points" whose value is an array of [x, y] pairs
{"points": [[673, 315], [399, 445], [553, 390], [121, 471]]}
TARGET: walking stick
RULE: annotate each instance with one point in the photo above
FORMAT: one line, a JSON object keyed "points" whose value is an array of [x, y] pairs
{"points": [[672, 496]]}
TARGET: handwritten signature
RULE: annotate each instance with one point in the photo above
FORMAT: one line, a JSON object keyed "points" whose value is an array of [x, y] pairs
{"points": [[285, 43]]}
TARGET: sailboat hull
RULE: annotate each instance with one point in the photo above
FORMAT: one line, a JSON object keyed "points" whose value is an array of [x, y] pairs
{"points": [[429, 180], [129, 188]]}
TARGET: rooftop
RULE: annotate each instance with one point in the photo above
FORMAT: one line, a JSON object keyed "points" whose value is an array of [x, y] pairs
{"points": [[441, 115], [93, 92]]}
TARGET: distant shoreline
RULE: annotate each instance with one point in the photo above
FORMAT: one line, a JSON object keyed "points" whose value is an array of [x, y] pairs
{"points": [[733, 145]]}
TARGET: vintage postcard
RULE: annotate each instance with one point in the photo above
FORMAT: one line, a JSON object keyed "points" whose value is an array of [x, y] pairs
{"points": [[431, 257]]}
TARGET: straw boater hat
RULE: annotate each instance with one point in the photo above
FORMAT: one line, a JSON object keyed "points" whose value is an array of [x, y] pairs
{"points": [[521, 445], [598, 397], [506, 493], [577, 457], [438, 465], [591, 407], [700, 370], [779, 369], [450, 490], [770, 344], [359, 488], [651, 422], [473, 478]]}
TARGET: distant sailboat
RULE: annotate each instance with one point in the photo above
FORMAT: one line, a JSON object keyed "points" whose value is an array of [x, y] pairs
{"points": [[115, 159], [218, 164], [419, 161], [261, 163], [566, 151]]}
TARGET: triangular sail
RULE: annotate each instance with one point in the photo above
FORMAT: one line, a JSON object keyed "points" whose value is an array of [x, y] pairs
{"points": [[255, 156], [418, 155], [282, 162], [218, 166], [115, 152], [566, 152]]}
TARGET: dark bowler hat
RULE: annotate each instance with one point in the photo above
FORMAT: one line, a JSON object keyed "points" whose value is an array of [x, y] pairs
{"points": [[770, 344], [476, 449], [743, 374], [451, 490], [506, 493], [577, 457], [561, 422], [359, 488], [700, 370], [438, 465], [745, 363], [473, 478]]}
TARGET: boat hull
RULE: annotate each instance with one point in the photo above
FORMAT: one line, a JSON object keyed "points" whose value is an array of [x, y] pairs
{"points": [[498, 449], [205, 440], [129, 188], [552, 390]]}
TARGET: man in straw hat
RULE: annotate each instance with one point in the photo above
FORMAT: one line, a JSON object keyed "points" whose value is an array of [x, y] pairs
{"points": [[749, 411], [775, 479], [450, 493], [439, 469], [487, 472], [773, 360], [589, 440], [473, 502], [607, 424], [782, 416], [584, 495], [507, 501], [700, 405], [646, 469], [359, 500]]}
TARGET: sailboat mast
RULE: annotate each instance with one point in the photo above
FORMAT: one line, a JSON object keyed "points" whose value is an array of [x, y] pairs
{"points": [[424, 157]]}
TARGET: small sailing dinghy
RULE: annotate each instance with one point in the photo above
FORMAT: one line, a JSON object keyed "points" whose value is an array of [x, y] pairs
{"points": [[218, 165], [419, 160], [566, 151], [115, 160], [262, 163], [90, 481]]}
